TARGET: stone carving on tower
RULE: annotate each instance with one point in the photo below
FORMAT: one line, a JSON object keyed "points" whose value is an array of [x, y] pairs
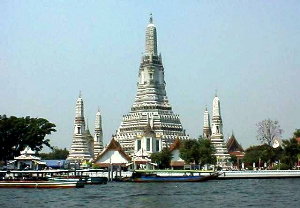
{"points": [[82, 144], [98, 136], [217, 134], [151, 101]]}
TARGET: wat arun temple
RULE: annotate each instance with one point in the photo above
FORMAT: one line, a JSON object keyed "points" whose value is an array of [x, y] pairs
{"points": [[150, 114], [151, 105]]}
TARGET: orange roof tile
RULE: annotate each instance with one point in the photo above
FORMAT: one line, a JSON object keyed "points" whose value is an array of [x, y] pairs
{"points": [[175, 145], [233, 145]]}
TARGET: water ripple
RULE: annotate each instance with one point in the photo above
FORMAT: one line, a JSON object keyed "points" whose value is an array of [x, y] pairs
{"points": [[228, 193]]}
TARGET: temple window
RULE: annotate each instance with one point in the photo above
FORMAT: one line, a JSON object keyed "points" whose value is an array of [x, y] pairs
{"points": [[139, 144], [157, 145], [148, 144], [151, 76]]}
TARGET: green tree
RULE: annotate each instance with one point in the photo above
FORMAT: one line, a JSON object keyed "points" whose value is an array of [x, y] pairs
{"points": [[291, 151], [233, 159], [190, 151], [162, 158], [56, 154], [17, 133], [207, 152], [297, 133], [268, 130], [263, 153], [200, 151]]}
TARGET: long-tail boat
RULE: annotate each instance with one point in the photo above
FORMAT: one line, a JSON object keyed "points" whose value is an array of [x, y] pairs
{"points": [[171, 176]]}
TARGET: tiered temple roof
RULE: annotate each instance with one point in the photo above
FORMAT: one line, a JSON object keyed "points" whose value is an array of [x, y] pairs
{"points": [[217, 138], [151, 102], [233, 145], [82, 144]]}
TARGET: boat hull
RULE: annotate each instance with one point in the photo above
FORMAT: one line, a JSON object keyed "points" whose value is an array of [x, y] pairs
{"points": [[90, 180], [157, 178], [40, 184], [168, 179], [97, 180]]}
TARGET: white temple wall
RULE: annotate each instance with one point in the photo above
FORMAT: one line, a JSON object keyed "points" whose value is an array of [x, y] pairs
{"points": [[112, 157]]}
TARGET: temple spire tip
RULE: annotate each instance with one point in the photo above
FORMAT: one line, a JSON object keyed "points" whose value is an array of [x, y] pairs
{"points": [[151, 19]]}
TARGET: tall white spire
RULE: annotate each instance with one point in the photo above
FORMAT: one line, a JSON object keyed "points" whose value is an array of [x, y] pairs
{"points": [[151, 38], [98, 126], [217, 138], [79, 108], [81, 148], [79, 123], [98, 136], [216, 107], [217, 124], [206, 125], [206, 118]]}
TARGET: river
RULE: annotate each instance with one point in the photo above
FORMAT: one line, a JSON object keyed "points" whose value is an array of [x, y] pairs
{"points": [[216, 193]]}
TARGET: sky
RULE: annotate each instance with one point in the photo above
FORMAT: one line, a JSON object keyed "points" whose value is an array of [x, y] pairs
{"points": [[246, 51]]}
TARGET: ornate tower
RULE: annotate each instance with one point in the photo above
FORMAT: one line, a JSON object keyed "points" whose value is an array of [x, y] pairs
{"points": [[217, 125], [98, 136], [217, 134], [80, 148], [206, 125], [151, 101]]}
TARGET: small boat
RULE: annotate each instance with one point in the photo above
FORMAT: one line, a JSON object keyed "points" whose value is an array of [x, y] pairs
{"points": [[68, 179], [40, 184], [97, 180], [154, 177], [86, 180]]}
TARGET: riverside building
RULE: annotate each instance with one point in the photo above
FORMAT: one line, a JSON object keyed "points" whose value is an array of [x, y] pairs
{"points": [[151, 108]]}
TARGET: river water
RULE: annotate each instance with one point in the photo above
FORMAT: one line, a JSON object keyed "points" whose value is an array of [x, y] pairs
{"points": [[216, 193]]}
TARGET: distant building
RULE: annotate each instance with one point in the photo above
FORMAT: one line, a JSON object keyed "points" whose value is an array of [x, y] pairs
{"points": [[148, 141], [151, 103], [176, 162], [234, 148], [28, 161], [112, 155], [146, 144]]}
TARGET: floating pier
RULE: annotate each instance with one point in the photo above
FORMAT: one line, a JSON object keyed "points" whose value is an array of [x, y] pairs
{"points": [[259, 174]]}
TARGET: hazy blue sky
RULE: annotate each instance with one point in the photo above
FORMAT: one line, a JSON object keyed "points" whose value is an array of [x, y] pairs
{"points": [[247, 50]]}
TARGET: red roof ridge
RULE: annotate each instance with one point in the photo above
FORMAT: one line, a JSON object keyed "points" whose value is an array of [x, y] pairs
{"points": [[175, 145]]}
